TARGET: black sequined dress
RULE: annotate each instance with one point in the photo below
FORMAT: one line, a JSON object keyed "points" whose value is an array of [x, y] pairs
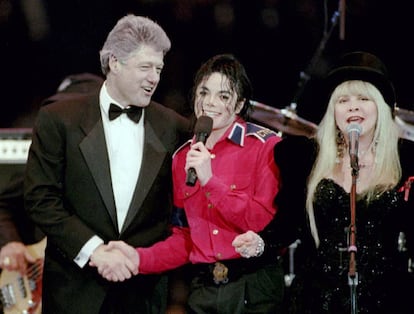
{"points": [[384, 239], [380, 258]]}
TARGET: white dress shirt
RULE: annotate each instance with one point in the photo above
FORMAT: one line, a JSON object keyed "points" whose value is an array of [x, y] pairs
{"points": [[125, 142]]}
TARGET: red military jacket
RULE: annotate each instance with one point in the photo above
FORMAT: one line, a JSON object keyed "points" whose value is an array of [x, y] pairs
{"points": [[239, 197]]}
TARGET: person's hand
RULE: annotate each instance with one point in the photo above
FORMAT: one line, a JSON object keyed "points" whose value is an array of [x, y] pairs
{"points": [[127, 250], [113, 264], [14, 256], [199, 158], [248, 244]]}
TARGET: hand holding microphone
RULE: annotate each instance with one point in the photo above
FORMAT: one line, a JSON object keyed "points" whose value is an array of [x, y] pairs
{"points": [[202, 130]]}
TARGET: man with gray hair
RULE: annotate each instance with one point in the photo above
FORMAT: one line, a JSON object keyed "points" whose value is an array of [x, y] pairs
{"points": [[99, 169]]}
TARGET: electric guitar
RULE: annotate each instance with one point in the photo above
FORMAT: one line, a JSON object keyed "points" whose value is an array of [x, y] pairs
{"points": [[23, 294]]}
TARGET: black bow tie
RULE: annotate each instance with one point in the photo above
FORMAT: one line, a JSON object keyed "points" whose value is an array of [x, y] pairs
{"points": [[133, 112]]}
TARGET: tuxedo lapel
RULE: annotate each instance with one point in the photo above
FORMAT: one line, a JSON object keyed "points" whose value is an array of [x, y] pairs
{"points": [[93, 148], [152, 160]]}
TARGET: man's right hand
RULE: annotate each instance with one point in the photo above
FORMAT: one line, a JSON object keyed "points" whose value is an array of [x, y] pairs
{"points": [[115, 264]]}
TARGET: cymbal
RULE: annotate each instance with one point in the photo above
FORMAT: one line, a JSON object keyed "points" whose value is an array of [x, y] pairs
{"points": [[281, 120], [405, 122], [404, 114]]}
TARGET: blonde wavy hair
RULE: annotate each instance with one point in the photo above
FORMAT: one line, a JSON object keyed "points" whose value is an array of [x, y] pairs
{"points": [[386, 172]]}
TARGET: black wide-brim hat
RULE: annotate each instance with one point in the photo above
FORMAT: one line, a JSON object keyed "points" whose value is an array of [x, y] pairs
{"points": [[362, 66]]}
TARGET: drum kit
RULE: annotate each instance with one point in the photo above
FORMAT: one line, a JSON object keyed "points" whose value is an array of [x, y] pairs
{"points": [[286, 121], [281, 120]]}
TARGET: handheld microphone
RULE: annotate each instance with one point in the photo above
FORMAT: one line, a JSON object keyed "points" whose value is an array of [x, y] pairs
{"points": [[353, 130], [202, 130]]}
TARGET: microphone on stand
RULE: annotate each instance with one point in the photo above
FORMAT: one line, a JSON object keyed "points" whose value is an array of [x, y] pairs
{"points": [[202, 130], [353, 130]]}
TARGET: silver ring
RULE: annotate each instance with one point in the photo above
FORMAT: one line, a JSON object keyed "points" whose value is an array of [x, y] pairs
{"points": [[245, 253]]}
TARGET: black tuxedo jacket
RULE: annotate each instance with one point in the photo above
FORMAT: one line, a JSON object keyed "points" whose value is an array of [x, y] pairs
{"points": [[68, 194]]}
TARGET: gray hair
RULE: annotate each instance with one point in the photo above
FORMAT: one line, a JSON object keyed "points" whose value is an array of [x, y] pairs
{"points": [[128, 35]]}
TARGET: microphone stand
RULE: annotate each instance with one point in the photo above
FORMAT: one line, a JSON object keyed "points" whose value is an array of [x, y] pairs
{"points": [[352, 249]]}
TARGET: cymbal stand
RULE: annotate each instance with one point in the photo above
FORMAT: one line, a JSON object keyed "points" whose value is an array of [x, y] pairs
{"points": [[305, 76], [352, 249], [291, 275]]}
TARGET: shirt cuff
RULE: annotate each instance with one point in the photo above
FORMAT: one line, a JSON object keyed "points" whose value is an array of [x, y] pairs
{"points": [[85, 253]]}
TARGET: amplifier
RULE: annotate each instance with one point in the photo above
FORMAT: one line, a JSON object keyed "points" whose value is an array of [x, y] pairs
{"points": [[14, 149], [14, 145]]}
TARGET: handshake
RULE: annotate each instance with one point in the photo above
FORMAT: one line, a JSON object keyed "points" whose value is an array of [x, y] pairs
{"points": [[115, 261]]}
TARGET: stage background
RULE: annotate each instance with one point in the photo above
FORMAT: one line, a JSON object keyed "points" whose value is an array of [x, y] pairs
{"points": [[42, 41]]}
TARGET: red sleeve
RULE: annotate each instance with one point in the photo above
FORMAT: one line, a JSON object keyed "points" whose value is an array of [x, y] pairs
{"points": [[166, 255]]}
